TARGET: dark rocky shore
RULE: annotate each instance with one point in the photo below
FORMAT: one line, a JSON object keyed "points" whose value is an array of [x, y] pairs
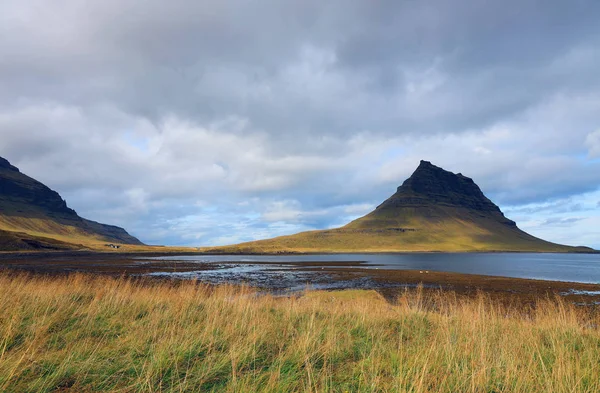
{"points": [[290, 277]]}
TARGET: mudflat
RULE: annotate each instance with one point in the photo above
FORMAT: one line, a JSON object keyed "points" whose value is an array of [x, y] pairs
{"points": [[288, 277]]}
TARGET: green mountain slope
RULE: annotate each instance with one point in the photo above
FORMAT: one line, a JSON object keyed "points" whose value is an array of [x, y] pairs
{"points": [[433, 210], [32, 216]]}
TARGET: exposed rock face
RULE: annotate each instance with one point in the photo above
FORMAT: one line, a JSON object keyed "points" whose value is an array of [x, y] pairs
{"points": [[24, 200], [16, 187], [4, 164], [430, 186]]}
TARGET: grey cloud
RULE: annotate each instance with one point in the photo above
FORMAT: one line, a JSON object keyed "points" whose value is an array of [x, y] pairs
{"points": [[559, 206], [592, 141], [147, 113], [559, 221], [261, 61]]}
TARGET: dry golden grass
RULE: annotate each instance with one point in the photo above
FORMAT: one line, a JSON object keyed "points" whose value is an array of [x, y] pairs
{"points": [[67, 237], [436, 228], [44, 227], [86, 334]]}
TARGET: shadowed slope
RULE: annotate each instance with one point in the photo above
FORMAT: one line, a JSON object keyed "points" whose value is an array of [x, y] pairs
{"points": [[32, 216], [433, 210]]}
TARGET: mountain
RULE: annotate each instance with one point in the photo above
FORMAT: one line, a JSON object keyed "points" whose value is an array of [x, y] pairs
{"points": [[32, 216], [433, 210]]}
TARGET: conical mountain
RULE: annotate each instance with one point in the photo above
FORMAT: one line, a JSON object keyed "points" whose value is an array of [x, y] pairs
{"points": [[32, 216], [433, 195], [433, 210]]}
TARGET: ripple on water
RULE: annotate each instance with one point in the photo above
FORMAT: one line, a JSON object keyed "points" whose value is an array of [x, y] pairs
{"points": [[581, 292]]}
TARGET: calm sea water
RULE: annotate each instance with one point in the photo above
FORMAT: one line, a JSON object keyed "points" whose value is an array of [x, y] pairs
{"points": [[557, 267]]}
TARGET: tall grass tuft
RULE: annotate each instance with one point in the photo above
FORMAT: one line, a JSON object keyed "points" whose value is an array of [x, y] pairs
{"points": [[90, 334]]}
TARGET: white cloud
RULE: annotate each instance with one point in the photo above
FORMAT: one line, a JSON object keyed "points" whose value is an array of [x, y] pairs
{"points": [[287, 211]]}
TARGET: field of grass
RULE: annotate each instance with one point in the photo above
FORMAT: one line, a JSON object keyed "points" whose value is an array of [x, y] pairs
{"points": [[88, 334]]}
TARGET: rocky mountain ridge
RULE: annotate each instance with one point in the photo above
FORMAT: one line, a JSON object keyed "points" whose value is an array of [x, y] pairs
{"points": [[30, 207], [432, 186]]}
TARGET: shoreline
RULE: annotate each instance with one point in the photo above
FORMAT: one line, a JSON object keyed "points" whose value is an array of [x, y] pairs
{"points": [[160, 251], [279, 276]]}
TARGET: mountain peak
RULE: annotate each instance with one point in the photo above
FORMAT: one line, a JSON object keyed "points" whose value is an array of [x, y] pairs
{"points": [[428, 178], [4, 164], [433, 210], [431, 185]]}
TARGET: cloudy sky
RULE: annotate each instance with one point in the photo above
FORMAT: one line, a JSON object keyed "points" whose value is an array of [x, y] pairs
{"points": [[212, 122]]}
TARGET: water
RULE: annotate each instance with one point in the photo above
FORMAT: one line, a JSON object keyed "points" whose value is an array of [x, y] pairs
{"points": [[583, 268]]}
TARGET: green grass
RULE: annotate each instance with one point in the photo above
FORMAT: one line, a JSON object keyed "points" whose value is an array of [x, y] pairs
{"points": [[437, 228], [88, 334]]}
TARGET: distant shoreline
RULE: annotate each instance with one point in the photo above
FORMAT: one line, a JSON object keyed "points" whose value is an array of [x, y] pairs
{"points": [[335, 274], [156, 253]]}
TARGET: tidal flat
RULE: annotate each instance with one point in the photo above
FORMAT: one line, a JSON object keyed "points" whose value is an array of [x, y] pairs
{"points": [[285, 276]]}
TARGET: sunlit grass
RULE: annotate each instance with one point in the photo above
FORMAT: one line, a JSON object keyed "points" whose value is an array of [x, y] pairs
{"points": [[84, 334], [446, 229]]}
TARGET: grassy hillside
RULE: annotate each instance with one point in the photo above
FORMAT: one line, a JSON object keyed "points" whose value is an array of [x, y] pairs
{"points": [[433, 210], [92, 334], [20, 241], [37, 225], [452, 230], [30, 210]]}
